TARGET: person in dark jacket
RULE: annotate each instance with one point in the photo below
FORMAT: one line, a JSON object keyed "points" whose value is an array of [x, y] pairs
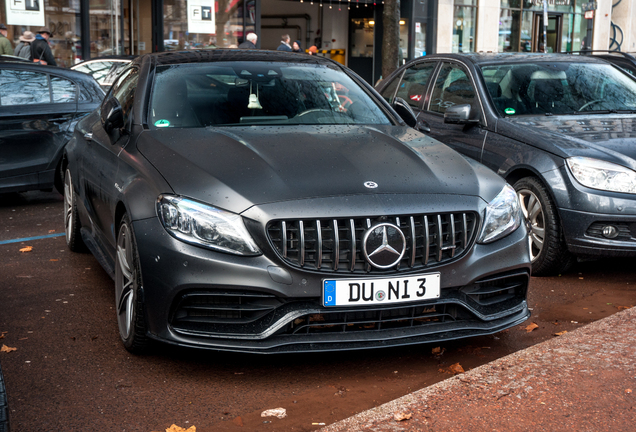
{"points": [[284, 44], [40, 49], [296, 47], [5, 43], [250, 41]]}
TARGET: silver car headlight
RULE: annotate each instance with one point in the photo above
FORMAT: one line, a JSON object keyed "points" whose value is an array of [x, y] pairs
{"points": [[502, 216], [599, 174], [204, 225]]}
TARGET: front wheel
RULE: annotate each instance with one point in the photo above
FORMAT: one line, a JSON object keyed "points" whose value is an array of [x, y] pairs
{"points": [[548, 251], [71, 217], [131, 317]]}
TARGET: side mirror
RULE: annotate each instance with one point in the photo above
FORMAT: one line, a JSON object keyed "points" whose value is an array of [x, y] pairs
{"points": [[404, 111], [459, 114], [112, 115]]}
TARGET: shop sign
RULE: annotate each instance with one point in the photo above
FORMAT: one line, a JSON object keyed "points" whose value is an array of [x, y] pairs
{"points": [[25, 12], [201, 16], [553, 2]]}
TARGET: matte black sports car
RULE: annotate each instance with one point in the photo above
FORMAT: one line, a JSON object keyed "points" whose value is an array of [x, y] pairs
{"points": [[270, 202], [39, 108], [560, 128]]}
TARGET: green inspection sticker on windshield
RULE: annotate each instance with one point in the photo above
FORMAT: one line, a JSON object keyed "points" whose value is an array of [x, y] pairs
{"points": [[162, 123], [510, 111]]}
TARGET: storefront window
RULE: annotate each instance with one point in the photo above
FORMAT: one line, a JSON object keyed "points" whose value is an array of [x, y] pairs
{"points": [[182, 31], [420, 39], [464, 25], [509, 24], [579, 34], [62, 17]]}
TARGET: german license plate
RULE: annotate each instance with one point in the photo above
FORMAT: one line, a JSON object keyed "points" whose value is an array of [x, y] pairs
{"points": [[365, 292]]}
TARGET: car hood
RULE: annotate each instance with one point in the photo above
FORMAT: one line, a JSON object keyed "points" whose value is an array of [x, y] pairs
{"points": [[609, 137], [235, 168]]}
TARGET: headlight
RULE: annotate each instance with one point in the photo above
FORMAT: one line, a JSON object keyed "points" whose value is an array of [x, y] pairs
{"points": [[203, 225], [598, 174], [503, 216]]}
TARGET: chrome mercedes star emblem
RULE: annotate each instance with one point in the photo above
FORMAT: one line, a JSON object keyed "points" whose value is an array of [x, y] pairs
{"points": [[370, 184], [383, 245]]}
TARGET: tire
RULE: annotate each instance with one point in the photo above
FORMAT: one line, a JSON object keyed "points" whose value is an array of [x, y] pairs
{"points": [[130, 309], [4, 406], [71, 218], [548, 250]]}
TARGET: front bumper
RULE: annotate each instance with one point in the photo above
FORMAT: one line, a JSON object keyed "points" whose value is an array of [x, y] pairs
{"points": [[258, 304], [584, 212]]}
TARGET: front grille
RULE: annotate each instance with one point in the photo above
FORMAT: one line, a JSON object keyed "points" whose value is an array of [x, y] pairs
{"points": [[335, 245]]}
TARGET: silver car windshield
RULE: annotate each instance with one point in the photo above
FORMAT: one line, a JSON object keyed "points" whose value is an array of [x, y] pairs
{"points": [[249, 93], [559, 88]]}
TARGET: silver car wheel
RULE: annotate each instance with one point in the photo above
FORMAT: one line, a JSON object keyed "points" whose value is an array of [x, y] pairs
{"points": [[68, 206], [533, 212], [125, 282]]}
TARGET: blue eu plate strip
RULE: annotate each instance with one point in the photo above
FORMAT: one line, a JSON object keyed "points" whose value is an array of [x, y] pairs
{"points": [[30, 238], [330, 293]]}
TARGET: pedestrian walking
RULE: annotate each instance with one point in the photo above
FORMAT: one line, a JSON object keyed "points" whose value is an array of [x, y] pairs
{"points": [[250, 41], [23, 49], [296, 47], [40, 49], [6, 48], [284, 44]]}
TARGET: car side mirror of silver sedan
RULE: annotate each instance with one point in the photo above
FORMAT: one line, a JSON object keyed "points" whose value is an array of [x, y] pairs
{"points": [[459, 114]]}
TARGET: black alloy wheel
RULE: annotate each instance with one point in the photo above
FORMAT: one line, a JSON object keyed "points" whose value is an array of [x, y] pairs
{"points": [[71, 218], [128, 291], [548, 251]]}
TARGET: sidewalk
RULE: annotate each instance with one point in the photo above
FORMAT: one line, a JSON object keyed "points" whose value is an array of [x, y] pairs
{"points": [[584, 380]]}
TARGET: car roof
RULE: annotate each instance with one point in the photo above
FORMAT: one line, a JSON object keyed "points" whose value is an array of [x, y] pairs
{"points": [[511, 58], [34, 67], [230, 55], [11, 58]]}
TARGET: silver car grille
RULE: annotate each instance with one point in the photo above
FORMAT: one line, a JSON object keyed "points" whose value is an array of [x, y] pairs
{"points": [[335, 245]]}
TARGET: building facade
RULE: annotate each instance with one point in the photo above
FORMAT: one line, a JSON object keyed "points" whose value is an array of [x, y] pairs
{"points": [[83, 29]]}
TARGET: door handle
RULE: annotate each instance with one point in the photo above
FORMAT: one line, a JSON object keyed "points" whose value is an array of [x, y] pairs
{"points": [[88, 136], [422, 126]]}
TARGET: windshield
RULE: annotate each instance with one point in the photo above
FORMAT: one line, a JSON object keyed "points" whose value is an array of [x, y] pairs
{"points": [[248, 93], [559, 88]]}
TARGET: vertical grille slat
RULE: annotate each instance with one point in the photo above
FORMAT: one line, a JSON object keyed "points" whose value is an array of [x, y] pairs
{"points": [[318, 245], [301, 235], [335, 245]]}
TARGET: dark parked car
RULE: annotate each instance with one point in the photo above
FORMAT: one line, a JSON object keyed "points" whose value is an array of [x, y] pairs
{"points": [[39, 108], [240, 206], [104, 69], [4, 406], [560, 128]]}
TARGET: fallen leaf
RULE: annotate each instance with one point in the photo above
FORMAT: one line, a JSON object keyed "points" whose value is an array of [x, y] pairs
{"points": [[456, 368], [54, 260], [2, 334], [238, 421], [26, 249], [628, 390], [175, 428], [51, 231], [531, 327], [437, 350], [561, 333], [275, 412], [623, 307], [402, 416], [7, 349]]}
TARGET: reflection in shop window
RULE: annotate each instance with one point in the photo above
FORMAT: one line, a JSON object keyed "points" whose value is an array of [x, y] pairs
{"points": [[229, 26], [464, 25]]}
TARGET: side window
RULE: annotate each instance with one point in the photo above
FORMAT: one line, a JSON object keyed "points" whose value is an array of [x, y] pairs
{"points": [[63, 90], [23, 88], [414, 83], [452, 87], [389, 91], [97, 69], [125, 91]]}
